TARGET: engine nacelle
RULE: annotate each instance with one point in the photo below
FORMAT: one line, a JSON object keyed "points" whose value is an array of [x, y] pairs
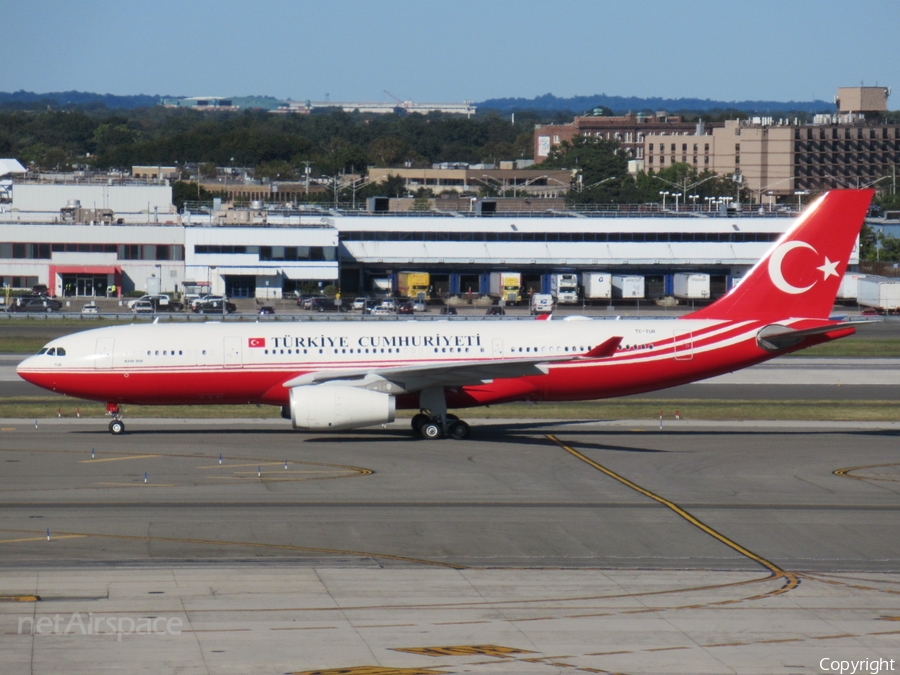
{"points": [[333, 407]]}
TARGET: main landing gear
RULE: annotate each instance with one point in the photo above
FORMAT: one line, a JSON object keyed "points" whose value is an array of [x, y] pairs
{"points": [[433, 421], [117, 426]]}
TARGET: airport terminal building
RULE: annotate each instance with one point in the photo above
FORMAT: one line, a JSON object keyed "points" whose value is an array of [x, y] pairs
{"points": [[81, 241]]}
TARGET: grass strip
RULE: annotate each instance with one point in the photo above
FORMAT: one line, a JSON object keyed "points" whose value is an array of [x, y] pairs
{"points": [[649, 409]]}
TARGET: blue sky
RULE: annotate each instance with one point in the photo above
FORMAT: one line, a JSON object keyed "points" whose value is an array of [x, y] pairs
{"points": [[452, 50]]}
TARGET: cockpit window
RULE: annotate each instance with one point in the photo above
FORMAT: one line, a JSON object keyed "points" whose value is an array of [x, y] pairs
{"points": [[51, 352], [60, 351], [43, 351]]}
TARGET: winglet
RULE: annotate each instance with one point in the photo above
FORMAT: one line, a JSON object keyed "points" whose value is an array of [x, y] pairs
{"points": [[543, 317], [603, 350]]}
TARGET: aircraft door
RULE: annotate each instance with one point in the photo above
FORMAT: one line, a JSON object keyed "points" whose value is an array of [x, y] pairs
{"points": [[104, 353], [232, 352], [683, 346], [497, 347]]}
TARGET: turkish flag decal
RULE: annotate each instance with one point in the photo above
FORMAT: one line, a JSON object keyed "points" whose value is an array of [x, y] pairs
{"points": [[256, 342]]}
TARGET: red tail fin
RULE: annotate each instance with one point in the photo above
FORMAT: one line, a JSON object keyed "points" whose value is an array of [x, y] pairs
{"points": [[800, 275]]}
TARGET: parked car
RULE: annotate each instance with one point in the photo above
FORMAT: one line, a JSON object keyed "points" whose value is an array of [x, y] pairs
{"points": [[419, 306], [449, 310], [214, 307], [90, 308], [161, 303], [34, 304], [40, 289], [406, 308], [143, 307], [265, 309], [359, 303], [322, 304], [495, 310], [381, 310]]}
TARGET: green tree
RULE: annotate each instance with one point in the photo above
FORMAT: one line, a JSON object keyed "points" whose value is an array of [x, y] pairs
{"points": [[601, 165]]}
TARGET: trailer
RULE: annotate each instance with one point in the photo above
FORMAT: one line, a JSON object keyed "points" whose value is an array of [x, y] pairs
{"points": [[414, 285], [564, 288], [882, 293], [849, 288], [506, 286], [628, 287], [597, 285], [692, 286]]}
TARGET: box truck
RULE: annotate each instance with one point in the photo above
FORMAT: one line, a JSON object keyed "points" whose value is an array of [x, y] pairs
{"points": [[883, 293], [506, 286], [564, 288], [414, 285], [597, 285], [692, 286], [628, 286]]}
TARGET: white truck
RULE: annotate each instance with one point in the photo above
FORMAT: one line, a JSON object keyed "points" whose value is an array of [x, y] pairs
{"points": [[564, 288], [381, 286], [507, 286], [631, 286], [882, 293], [541, 303], [692, 286], [597, 285]]}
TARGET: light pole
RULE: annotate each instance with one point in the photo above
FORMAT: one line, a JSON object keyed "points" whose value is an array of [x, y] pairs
{"points": [[693, 199], [709, 202], [664, 194], [800, 194], [676, 195]]}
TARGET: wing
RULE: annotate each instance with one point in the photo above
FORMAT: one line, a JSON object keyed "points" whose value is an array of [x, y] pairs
{"points": [[405, 379]]}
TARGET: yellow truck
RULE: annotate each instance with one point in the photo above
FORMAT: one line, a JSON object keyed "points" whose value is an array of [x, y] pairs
{"points": [[414, 285]]}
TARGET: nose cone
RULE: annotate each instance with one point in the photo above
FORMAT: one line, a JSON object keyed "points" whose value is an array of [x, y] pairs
{"points": [[26, 369]]}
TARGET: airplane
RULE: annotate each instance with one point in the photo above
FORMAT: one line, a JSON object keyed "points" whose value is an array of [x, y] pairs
{"points": [[351, 374]]}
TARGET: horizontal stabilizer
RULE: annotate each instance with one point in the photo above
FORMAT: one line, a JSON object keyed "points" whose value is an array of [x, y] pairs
{"points": [[775, 337]]}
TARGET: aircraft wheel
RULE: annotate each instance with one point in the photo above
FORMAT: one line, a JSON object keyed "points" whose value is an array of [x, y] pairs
{"points": [[417, 421], [431, 430], [116, 427], [460, 431]]}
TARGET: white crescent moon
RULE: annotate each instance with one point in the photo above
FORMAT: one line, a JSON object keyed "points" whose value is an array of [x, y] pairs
{"points": [[775, 262]]}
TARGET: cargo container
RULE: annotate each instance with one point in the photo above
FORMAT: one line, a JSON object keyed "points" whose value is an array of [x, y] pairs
{"points": [[597, 285], [414, 285], [541, 303], [849, 288], [507, 286], [880, 292], [628, 287], [692, 286], [564, 288]]}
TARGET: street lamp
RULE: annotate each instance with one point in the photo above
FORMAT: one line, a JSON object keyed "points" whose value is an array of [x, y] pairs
{"points": [[709, 203], [676, 195], [664, 194], [800, 194], [693, 199]]}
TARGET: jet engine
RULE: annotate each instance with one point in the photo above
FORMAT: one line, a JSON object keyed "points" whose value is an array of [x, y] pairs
{"points": [[333, 407]]}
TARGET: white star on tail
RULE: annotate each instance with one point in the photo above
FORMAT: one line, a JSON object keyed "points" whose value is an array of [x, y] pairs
{"points": [[829, 269]]}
